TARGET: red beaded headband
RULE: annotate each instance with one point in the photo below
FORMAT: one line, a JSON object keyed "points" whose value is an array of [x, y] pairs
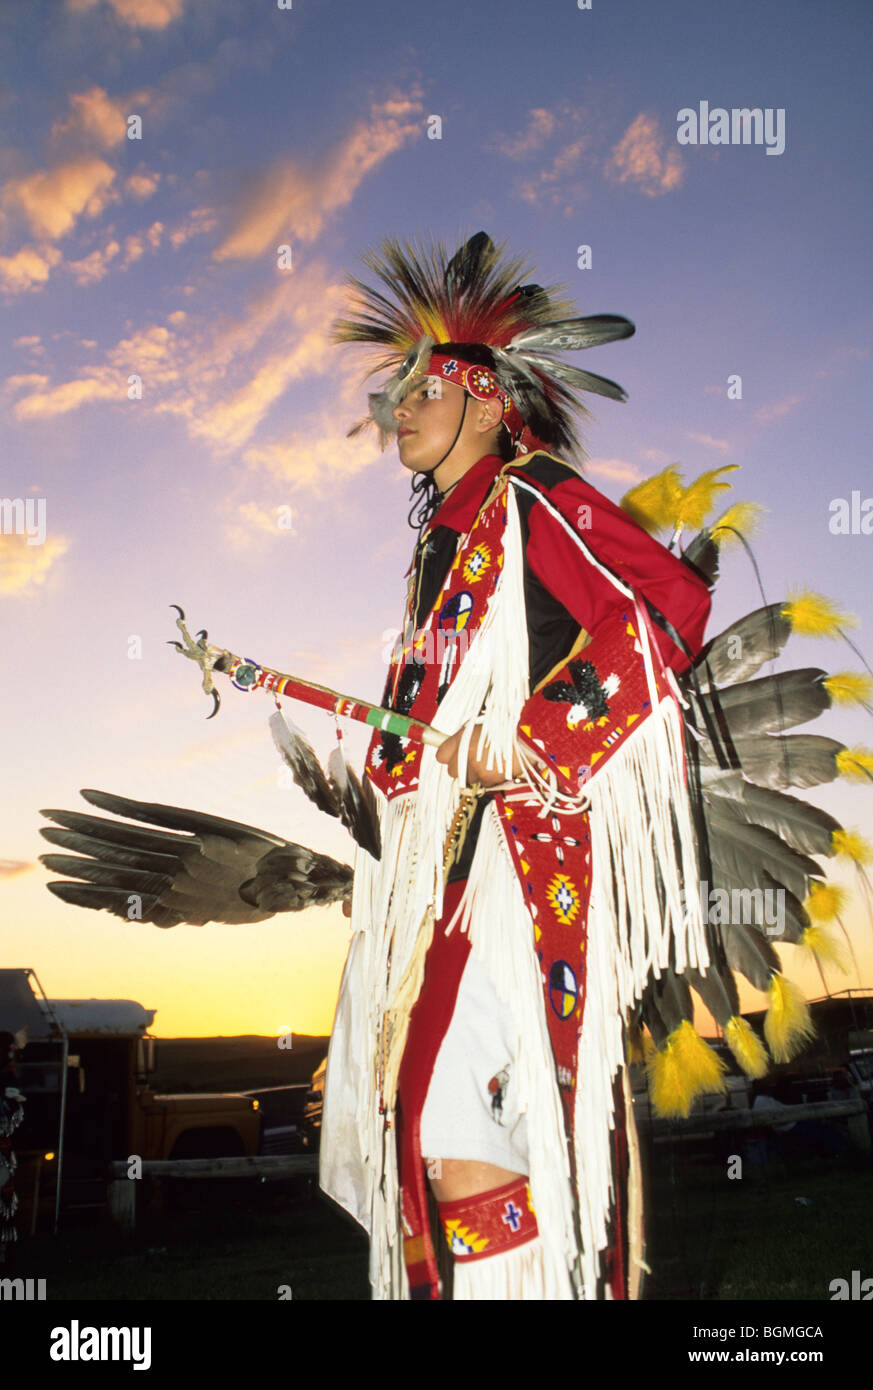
{"points": [[480, 383]]}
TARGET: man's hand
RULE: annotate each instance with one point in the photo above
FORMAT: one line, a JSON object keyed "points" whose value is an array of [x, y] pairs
{"points": [[477, 771]]}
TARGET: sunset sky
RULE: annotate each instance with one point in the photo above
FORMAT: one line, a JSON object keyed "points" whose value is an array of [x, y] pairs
{"points": [[157, 257]]}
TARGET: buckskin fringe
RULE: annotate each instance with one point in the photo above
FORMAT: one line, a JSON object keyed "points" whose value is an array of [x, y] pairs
{"points": [[512, 1276], [640, 919]]}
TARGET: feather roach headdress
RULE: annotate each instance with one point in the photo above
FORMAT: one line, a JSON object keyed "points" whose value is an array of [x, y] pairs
{"points": [[477, 297]]}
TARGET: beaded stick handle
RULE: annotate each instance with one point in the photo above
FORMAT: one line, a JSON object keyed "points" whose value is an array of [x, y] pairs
{"points": [[248, 675]]}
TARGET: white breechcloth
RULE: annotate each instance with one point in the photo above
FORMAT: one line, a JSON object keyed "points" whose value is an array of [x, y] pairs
{"points": [[471, 1109]]}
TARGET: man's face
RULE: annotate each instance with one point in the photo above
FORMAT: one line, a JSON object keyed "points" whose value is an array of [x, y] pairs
{"points": [[427, 423]]}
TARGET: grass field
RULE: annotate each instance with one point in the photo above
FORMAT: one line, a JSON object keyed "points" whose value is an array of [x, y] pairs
{"points": [[780, 1232], [710, 1238]]}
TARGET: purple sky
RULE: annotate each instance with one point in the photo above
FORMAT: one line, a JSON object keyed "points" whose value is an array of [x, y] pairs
{"points": [[157, 258]]}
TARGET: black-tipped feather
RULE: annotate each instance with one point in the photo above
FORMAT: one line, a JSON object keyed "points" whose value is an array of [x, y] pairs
{"points": [[562, 335], [357, 804], [771, 703], [703, 556], [718, 990], [110, 851], [298, 754], [748, 952], [175, 818]]}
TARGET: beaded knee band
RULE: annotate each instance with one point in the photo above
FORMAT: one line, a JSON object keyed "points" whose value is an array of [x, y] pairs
{"points": [[489, 1223]]}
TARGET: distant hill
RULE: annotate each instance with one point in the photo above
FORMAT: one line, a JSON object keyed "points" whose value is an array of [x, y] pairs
{"points": [[244, 1063]]}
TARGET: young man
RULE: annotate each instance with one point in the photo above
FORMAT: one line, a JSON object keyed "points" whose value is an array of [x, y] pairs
{"points": [[478, 1040], [528, 904]]}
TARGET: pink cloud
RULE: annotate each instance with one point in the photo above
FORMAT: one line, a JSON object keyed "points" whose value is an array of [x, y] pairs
{"points": [[617, 469], [137, 14], [52, 200], [540, 127], [291, 203], [766, 413], [639, 158], [28, 269], [95, 115], [709, 441]]}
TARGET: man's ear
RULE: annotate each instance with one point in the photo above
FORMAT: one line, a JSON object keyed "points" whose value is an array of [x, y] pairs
{"points": [[490, 415]]}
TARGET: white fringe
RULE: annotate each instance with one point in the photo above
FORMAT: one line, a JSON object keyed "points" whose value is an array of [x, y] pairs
{"points": [[637, 802], [513, 1275], [388, 911], [639, 810]]}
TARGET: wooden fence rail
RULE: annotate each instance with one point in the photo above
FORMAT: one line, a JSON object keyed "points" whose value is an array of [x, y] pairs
{"points": [[720, 1120], [121, 1192], [122, 1189]]}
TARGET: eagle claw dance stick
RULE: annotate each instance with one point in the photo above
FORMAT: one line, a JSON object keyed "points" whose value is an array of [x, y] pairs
{"points": [[247, 675]]}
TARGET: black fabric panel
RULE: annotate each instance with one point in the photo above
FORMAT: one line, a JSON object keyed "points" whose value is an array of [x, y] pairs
{"points": [[548, 472], [441, 547], [551, 630]]}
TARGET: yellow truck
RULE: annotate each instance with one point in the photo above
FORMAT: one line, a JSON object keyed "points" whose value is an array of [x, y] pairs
{"points": [[85, 1075]]}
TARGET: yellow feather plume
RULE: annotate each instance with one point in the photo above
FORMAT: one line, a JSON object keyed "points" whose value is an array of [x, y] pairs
{"points": [[787, 1025], [698, 498], [681, 1070], [824, 947], [849, 688], [653, 502], [743, 517], [825, 901], [813, 615], [855, 764], [746, 1046], [852, 846]]}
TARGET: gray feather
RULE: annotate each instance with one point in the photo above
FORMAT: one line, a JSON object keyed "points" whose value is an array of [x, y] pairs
{"points": [[805, 828], [765, 904], [220, 871], [582, 380], [748, 952], [565, 334], [743, 648], [672, 998], [718, 990], [790, 760], [298, 754], [357, 804], [702, 555], [744, 851], [771, 703]]}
